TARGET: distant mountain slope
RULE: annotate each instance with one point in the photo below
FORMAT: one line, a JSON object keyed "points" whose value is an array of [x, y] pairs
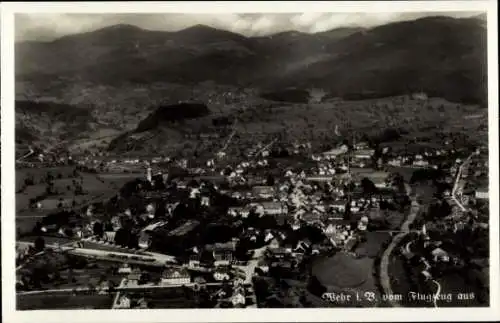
{"points": [[440, 55], [42, 121]]}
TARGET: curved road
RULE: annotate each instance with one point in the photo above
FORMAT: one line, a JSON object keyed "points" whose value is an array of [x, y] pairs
{"points": [[415, 207], [438, 292], [385, 280]]}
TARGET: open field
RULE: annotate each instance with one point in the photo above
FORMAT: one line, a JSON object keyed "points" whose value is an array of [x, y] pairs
{"points": [[169, 298], [373, 244], [40, 173]]}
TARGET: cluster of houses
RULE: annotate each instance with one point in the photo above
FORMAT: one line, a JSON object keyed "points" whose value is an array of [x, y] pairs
{"points": [[433, 254]]}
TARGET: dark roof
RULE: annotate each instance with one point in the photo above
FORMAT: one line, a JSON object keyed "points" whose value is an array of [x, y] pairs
{"points": [[184, 228]]}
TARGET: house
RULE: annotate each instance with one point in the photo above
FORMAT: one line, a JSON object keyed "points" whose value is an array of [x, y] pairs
{"points": [[205, 201], [222, 252], [273, 208], [274, 244], [338, 205], [175, 276], [265, 192], [421, 163], [330, 230], [334, 153], [311, 218], [222, 273], [125, 269], [184, 228], [134, 277], [394, 162], [238, 299], [364, 153], [268, 237], [239, 211], [361, 145], [144, 240], [439, 254], [222, 257], [263, 266], [326, 178], [302, 246], [419, 96], [122, 303], [194, 260], [482, 193]]}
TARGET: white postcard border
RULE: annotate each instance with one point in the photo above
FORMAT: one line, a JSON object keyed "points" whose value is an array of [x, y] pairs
{"points": [[230, 315]]}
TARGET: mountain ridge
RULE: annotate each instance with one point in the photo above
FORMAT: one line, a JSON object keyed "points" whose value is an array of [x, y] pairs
{"points": [[122, 66]]}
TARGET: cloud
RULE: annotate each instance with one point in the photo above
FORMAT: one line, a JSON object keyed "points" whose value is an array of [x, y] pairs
{"points": [[49, 26]]}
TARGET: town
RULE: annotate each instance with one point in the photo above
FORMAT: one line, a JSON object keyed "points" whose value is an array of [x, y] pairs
{"points": [[282, 225]]}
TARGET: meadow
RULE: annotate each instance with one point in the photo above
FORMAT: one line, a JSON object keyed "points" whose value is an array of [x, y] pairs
{"points": [[96, 187]]}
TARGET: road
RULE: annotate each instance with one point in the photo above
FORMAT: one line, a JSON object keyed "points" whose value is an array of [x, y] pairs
{"points": [[249, 269], [385, 280], [438, 292], [121, 288], [384, 263], [459, 175], [457, 201]]}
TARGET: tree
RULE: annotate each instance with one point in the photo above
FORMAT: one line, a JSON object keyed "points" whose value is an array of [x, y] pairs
{"points": [[98, 229], [39, 244], [270, 180], [368, 187]]}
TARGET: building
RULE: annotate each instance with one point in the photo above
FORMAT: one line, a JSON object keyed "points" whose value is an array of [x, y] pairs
{"points": [[125, 269], [364, 153], [419, 96], [320, 178], [238, 211], [334, 153], [265, 192], [223, 256], [421, 163], [134, 277], [338, 205], [222, 273], [482, 193], [109, 236], [144, 240], [273, 208], [311, 218], [439, 254], [122, 303], [238, 299], [184, 228], [175, 276], [274, 244]]}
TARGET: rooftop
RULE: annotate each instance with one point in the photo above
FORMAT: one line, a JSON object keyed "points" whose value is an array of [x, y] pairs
{"points": [[184, 228]]}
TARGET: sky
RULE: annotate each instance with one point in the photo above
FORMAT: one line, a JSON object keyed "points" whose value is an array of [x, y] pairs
{"points": [[48, 26]]}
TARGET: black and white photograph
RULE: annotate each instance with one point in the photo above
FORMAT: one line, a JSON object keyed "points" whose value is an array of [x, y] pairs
{"points": [[252, 160]]}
